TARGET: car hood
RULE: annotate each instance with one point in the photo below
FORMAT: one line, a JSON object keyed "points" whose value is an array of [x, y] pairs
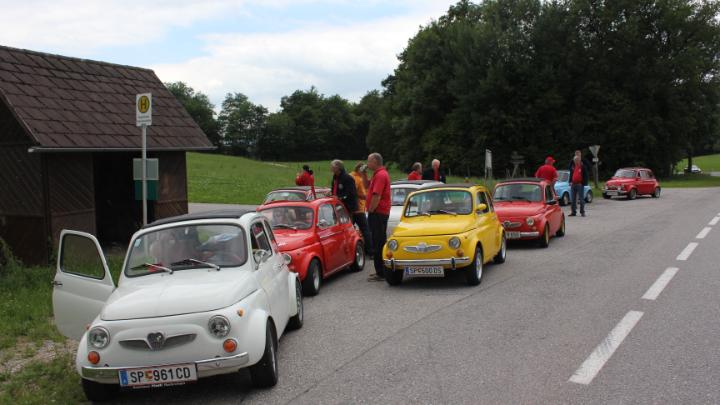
{"points": [[517, 209], [183, 292], [619, 180], [434, 225], [289, 239]]}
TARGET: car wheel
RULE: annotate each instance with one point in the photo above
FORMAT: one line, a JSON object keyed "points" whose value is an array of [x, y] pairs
{"points": [[393, 277], [313, 278], [605, 196], [296, 322], [589, 197], [656, 194], [473, 273], [97, 392], [632, 194], [502, 254], [359, 262], [561, 231], [565, 200], [264, 374], [545, 237]]}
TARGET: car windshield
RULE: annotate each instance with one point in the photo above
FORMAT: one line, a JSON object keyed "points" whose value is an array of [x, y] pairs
{"points": [[624, 173], [211, 246], [518, 192], [563, 176], [399, 194], [452, 202], [289, 217], [286, 195]]}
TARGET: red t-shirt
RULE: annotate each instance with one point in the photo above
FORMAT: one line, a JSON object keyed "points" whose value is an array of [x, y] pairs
{"points": [[414, 176], [577, 175], [547, 172], [436, 174], [380, 185]]}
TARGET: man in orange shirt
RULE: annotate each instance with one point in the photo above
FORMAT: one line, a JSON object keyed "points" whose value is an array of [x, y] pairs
{"points": [[359, 216]]}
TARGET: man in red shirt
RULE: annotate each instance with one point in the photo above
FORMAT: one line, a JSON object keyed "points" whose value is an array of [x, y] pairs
{"points": [[306, 178], [547, 171], [378, 206], [579, 178]]}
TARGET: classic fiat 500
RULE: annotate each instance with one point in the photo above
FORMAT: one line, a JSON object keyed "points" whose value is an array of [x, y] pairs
{"points": [[445, 228], [199, 295], [528, 209], [631, 182], [319, 236], [296, 193]]}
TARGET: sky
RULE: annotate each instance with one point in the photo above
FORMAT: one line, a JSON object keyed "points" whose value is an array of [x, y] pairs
{"points": [[264, 49]]}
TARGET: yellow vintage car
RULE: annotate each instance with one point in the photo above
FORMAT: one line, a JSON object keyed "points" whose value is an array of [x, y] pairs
{"points": [[445, 228]]}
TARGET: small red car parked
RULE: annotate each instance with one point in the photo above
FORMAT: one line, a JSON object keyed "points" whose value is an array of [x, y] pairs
{"points": [[528, 209], [319, 237], [296, 193], [631, 182]]}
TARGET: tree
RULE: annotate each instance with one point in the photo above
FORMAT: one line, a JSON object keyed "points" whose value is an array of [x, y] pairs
{"points": [[242, 124], [199, 107]]}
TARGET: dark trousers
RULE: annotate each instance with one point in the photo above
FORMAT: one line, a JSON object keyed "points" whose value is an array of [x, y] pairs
{"points": [[578, 193], [378, 229], [361, 221]]}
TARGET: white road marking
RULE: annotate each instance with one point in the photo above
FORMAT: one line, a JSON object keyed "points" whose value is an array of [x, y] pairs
{"points": [[703, 233], [687, 251], [714, 221], [659, 285], [602, 353]]}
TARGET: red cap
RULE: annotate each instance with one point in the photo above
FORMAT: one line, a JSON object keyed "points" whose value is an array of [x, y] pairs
{"points": [[550, 159]]}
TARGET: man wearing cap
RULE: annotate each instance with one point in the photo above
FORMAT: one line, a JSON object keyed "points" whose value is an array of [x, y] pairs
{"points": [[547, 171]]}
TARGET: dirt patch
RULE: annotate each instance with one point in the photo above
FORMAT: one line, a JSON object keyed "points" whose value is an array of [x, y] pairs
{"points": [[15, 359]]}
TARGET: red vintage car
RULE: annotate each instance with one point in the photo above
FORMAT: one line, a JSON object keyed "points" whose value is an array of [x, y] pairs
{"points": [[319, 237], [296, 193], [528, 209], [631, 182]]}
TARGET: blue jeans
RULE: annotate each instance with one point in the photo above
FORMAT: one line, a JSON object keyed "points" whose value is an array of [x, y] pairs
{"points": [[577, 193]]}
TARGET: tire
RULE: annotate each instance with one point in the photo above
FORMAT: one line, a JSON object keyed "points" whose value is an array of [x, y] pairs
{"points": [[589, 197], [473, 272], [97, 392], [561, 231], [605, 196], [313, 278], [545, 237], [296, 322], [393, 277], [264, 374], [632, 194], [656, 194], [565, 199], [359, 262], [502, 254]]}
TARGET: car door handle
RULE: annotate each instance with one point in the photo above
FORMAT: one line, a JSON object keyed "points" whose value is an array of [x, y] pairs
{"points": [[56, 283]]}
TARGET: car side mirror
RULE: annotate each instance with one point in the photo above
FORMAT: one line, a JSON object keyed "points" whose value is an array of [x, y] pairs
{"points": [[551, 202], [287, 258], [260, 255], [481, 208], [322, 223]]}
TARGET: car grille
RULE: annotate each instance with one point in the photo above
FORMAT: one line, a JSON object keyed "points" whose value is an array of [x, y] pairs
{"points": [[422, 248], [511, 224], [170, 342]]}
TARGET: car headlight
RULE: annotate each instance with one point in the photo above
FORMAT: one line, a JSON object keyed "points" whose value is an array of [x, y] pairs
{"points": [[454, 242], [392, 244], [219, 326], [98, 337], [529, 221]]}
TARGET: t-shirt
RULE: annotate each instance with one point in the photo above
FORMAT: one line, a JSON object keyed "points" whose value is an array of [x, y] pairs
{"points": [[436, 174], [577, 175], [546, 172], [380, 184], [414, 176]]}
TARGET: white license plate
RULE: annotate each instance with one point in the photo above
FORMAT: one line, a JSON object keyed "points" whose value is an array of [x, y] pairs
{"points": [[165, 375], [613, 192], [513, 235], [424, 271]]}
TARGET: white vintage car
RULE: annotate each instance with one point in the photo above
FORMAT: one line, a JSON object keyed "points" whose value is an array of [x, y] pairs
{"points": [[199, 295]]}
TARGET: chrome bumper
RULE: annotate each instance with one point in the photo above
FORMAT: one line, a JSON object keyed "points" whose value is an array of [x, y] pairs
{"points": [[453, 262], [205, 368], [614, 192], [521, 235]]}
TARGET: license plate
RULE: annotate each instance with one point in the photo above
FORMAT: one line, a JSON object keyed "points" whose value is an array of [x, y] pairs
{"points": [[424, 271], [613, 192], [166, 375], [513, 235]]}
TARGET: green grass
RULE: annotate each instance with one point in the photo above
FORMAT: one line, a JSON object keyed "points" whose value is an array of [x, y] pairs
{"points": [[708, 163], [43, 383], [237, 180], [690, 180]]}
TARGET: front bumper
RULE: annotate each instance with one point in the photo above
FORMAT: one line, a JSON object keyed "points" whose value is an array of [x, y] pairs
{"points": [[614, 192], [453, 262], [205, 368], [522, 235]]}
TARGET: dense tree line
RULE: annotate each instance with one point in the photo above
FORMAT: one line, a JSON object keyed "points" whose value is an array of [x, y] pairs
{"points": [[638, 77]]}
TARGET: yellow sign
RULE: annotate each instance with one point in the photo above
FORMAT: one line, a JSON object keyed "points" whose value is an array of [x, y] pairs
{"points": [[143, 104], [143, 109]]}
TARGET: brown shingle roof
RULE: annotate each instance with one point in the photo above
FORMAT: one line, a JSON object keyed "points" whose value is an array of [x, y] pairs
{"points": [[70, 103]]}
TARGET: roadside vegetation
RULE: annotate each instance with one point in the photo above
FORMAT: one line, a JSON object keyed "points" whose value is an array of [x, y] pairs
{"points": [[708, 163]]}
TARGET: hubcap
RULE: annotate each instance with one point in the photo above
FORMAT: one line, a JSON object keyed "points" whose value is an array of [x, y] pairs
{"points": [[504, 245], [359, 256], [298, 298], [273, 363], [316, 277], [478, 263]]}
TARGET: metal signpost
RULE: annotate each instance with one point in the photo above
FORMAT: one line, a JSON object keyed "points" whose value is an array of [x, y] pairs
{"points": [[488, 164], [143, 114], [516, 161], [595, 149]]}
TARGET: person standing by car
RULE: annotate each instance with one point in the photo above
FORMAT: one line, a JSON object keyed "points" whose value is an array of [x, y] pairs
{"points": [[306, 178], [434, 172], [359, 217], [579, 178], [378, 206], [547, 171], [416, 172], [343, 186]]}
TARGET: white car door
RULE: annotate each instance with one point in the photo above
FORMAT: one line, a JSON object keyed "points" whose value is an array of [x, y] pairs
{"points": [[268, 273], [82, 283]]}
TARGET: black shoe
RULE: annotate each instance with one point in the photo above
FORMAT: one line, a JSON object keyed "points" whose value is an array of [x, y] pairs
{"points": [[582, 214], [572, 215]]}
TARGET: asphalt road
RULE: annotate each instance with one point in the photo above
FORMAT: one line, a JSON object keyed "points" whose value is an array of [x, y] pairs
{"points": [[523, 333]]}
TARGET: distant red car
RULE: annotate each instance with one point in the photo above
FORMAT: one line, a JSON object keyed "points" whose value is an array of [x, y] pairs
{"points": [[528, 209], [319, 237], [631, 182], [296, 193]]}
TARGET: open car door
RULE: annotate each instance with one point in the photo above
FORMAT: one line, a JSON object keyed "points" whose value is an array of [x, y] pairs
{"points": [[82, 283]]}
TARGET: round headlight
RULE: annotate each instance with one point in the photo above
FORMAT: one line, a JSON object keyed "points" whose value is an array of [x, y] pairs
{"points": [[219, 326], [98, 337], [454, 242], [392, 244], [529, 221]]}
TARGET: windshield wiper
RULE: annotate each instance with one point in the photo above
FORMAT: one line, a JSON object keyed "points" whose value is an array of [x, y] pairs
{"points": [[196, 261], [151, 265], [443, 212], [285, 226]]}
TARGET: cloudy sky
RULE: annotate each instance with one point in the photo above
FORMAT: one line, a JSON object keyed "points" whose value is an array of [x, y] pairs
{"points": [[263, 48]]}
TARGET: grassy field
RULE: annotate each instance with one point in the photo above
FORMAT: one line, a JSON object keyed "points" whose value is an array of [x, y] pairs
{"points": [[708, 163]]}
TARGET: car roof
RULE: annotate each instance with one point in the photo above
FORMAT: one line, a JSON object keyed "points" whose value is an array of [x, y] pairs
{"points": [[523, 180], [311, 203], [216, 214], [453, 185], [297, 188], [415, 182]]}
